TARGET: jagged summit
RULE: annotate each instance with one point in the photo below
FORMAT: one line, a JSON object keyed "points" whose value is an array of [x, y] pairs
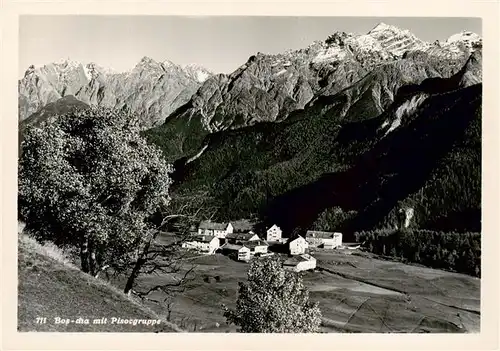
{"points": [[384, 27], [267, 87], [147, 62], [151, 88]]}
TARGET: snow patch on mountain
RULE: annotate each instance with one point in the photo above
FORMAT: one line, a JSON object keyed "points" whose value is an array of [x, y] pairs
{"points": [[396, 40], [280, 72], [333, 53], [367, 43], [405, 109], [199, 73], [198, 154], [464, 36], [385, 124]]}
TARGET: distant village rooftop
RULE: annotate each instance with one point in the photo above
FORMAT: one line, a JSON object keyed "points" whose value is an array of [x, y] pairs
{"points": [[253, 244], [321, 234], [292, 261], [213, 225], [240, 236], [203, 238], [231, 247]]}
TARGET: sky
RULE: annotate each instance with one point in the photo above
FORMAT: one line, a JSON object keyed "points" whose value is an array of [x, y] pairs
{"points": [[221, 44]]}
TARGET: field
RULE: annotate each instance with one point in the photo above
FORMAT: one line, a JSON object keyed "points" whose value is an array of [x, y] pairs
{"points": [[356, 293]]}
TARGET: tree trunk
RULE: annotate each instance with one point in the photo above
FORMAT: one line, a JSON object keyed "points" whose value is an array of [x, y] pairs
{"points": [[133, 276], [137, 267], [93, 268], [84, 254]]}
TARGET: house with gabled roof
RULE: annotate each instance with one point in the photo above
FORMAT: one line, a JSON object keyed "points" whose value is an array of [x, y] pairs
{"points": [[237, 252], [297, 245], [257, 247], [239, 238], [207, 244], [219, 230], [273, 233], [328, 240], [300, 263]]}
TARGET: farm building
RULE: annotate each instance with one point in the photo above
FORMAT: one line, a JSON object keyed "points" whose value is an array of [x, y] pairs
{"points": [[328, 240], [238, 238], [238, 252], [297, 246], [219, 230], [203, 243], [273, 233], [257, 247], [300, 263]]}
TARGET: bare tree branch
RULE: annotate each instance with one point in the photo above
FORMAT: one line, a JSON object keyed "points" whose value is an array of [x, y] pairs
{"points": [[165, 287]]}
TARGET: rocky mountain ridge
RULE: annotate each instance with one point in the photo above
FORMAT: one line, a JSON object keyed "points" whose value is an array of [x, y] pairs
{"points": [[268, 87], [152, 89]]}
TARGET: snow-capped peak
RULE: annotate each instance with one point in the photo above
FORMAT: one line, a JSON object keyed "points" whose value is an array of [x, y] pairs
{"points": [[384, 27], [147, 61], [68, 63], [197, 72], [168, 63], [464, 36], [396, 40]]}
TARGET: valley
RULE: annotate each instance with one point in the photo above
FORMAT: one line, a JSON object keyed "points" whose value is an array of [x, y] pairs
{"points": [[376, 137]]}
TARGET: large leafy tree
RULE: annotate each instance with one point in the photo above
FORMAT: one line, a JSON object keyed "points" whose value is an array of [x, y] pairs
{"points": [[88, 178], [274, 300]]}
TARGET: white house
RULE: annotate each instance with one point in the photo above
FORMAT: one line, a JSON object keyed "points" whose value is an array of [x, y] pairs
{"points": [[238, 238], [300, 263], [273, 233], [207, 244], [329, 240], [298, 246], [256, 247], [239, 252], [219, 230]]}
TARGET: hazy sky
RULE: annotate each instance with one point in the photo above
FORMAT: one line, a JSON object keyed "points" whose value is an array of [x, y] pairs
{"points": [[218, 43]]}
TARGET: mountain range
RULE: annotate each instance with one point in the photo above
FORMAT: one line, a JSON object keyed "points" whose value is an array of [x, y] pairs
{"points": [[344, 134], [151, 89]]}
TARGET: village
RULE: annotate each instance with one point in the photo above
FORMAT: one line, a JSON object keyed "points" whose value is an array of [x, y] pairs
{"points": [[244, 245]]}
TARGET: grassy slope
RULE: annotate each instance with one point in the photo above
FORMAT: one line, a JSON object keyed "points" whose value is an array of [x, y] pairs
{"points": [[50, 288]]}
